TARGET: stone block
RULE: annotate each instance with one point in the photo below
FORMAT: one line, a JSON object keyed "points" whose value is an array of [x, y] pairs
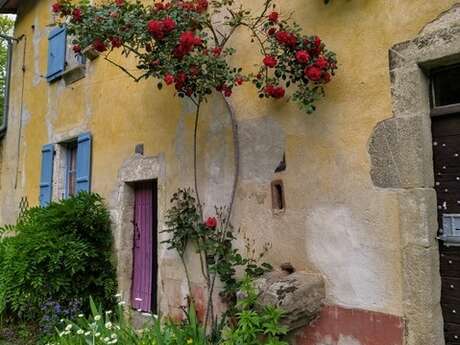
{"points": [[300, 295]]}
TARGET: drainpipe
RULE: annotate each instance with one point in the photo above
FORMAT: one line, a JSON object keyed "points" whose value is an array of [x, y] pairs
{"points": [[6, 104]]}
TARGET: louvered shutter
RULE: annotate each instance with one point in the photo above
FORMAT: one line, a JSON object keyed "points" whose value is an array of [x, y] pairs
{"points": [[84, 163], [46, 179], [57, 42]]}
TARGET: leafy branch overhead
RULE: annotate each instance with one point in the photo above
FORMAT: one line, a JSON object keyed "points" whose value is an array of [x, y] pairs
{"points": [[182, 44]]}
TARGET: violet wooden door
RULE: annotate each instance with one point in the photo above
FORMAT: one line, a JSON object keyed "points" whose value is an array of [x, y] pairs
{"points": [[144, 252]]}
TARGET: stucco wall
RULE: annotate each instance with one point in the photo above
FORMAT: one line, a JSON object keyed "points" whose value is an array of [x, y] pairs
{"points": [[337, 221]]}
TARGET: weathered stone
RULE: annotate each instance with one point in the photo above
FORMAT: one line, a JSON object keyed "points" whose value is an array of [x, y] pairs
{"points": [[300, 295], [400, 151]]}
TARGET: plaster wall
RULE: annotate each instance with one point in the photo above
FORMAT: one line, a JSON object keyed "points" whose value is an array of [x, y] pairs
{"points": [[338, 221]]}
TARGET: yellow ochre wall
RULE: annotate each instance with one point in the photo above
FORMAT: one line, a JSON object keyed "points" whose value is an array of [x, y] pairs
{"points": [[336, 222]]}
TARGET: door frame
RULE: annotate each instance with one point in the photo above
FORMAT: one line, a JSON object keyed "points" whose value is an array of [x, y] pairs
{"points": [[401, 158], [136, 169]]}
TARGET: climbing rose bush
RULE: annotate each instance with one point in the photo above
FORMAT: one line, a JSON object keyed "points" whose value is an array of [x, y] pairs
{"points": [[180, 44]]}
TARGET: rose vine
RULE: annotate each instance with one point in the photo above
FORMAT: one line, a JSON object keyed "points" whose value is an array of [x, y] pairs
{"points": [[180, 43]]}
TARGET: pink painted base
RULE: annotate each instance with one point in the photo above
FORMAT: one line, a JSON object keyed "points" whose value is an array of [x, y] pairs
{"points": [[341, 326]]}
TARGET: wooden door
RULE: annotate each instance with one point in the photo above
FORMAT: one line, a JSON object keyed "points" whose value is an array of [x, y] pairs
{"points": [[143, 291], [446, 155]]}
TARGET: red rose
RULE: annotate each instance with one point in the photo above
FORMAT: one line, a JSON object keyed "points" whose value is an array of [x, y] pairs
{"points": [[317, 41], [169, 79], [119, 2], [155, 27], [302, 56], [272, 31], [216, 51], [275, 91], [76, 48], [188, 39], [273, 17], [201, 6], [211, 223], [286, 38], [56, 7], [270, 61], [313, 73], [322, 62], [194, 70], [116, 42], [169, 24], [180, 80], [227, 91], [159, 6], [326, 77], [99, 45], [239, 81], [76, 15]]}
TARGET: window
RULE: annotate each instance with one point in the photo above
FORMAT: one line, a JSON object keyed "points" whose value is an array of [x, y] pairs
{"points": [[62, 61], [70, 174], [71, 169], [445, 90], [5, 76]]}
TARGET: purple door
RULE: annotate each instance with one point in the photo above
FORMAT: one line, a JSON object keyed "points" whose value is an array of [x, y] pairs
{"points": [[143, 294]]}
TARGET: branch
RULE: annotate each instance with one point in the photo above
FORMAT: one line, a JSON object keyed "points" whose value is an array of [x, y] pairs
{"points": [[136, 79]]}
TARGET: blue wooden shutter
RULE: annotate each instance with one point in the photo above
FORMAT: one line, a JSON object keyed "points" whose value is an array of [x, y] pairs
{"points": [[57, 42], [84, 163], [46, 179]]}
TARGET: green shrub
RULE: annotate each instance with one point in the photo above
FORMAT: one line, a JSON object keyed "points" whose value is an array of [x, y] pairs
{"points": [[59, 253]]}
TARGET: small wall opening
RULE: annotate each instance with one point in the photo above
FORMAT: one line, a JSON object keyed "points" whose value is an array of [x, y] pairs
{"points": [[278, 199]]}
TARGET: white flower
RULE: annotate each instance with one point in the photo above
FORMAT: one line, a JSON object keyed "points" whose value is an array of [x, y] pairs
{"points": [[114, 336], [97, 317], [108, 312], [146, 314], [106, 339], [114, 341], [108, 325], [118, 295], [68, 327], [81, 315], [80, 331], [139, 310], [155, 316], [97, 335], [61, 334], [62, 320], [117, 327], [87, 333], [122, 303]]}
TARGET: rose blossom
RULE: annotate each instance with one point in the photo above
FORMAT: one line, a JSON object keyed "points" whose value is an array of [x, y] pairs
{"points": [[270, 61], [302, 56], [313, 73], [211, 222]]}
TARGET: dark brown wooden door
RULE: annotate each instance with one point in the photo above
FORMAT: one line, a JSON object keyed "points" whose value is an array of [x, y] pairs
{"points": [[446, 155]]}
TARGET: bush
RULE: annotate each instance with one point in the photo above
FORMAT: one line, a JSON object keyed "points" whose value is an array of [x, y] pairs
{"points": [[59, 254]]}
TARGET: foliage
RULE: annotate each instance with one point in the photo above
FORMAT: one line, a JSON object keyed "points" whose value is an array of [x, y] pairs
{"points": [[256, 325], [108, 327], [214, 243], [181, 43], [6, 27], [53, 312], [59, 253]]}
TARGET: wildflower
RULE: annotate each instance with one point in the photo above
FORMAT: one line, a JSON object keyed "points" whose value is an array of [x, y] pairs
{"points": [[81, 315], [97, 335], [113, 336], [68, 327], [87, 333], [108, 325], [108, 312], [106, 339], [80, 331]]}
